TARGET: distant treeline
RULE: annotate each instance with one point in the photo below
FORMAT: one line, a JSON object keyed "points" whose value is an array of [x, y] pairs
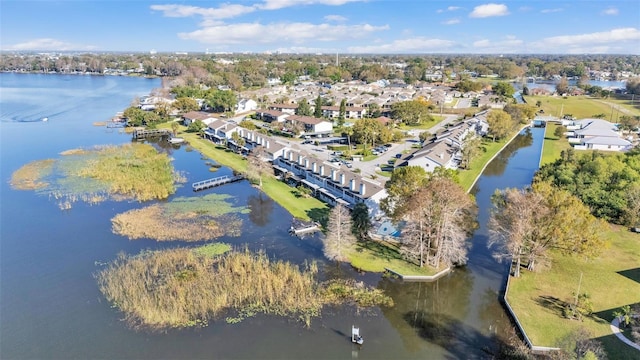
{"points": [[245, 71]]}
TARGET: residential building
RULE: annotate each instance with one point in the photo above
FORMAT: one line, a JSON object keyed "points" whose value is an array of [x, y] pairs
{"points": [[596, 134], [312, 126]]}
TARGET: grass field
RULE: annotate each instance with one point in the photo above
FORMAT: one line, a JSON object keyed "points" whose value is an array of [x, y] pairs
{"points": [[582, 106], [611, 281], [552, 145], [376, 256]]}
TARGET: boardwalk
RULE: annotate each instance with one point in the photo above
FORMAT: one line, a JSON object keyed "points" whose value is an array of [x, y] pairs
{"points": [[209, 183], [143, 133]]}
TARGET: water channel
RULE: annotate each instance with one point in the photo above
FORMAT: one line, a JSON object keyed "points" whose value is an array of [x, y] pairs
{"points": [[51, 308]]}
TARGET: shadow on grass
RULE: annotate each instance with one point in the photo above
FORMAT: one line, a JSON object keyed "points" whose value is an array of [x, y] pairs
{"points": [[554, 304], [320, 215], [616, 349], [633, 274], [382, 250]]}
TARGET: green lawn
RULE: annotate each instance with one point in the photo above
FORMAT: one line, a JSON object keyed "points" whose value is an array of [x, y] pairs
{"points": [[424, 126], [376, 256], [468, 176], [579, 106], [612, 280], [552, 145], [286, 196]]}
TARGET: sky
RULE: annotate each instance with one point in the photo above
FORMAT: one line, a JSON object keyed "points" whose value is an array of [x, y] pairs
{"points": [[323, 26]]}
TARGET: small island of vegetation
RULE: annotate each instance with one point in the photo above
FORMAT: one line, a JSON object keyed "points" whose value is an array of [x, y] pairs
{"points": [[183, 287]]}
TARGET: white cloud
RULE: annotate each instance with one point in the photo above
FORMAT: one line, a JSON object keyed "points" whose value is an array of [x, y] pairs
{"points": [[336, 18], [305, 50], [615, 40], [450, 8], [610, 11], [411, 45], [279, 4], [246, 33], [48, 44], [489, 10], [451, 22], [225, 11], [548, 11]]}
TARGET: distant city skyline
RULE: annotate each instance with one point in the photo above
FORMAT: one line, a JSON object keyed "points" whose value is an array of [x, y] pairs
{"points": [[323, 26]]}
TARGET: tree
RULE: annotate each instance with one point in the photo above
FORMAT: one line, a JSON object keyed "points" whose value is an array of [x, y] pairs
{"points": [[520, 113], [339, 238], [185, 104], [288, 78], [471, 148], [562, 87], [361, 221], [504, 89], [559, 131], [221, 100], [257, 165], [303, 108], [317, 111], [500, 123], [174, 127], [343, 109], [404, 182], [196, 126], [413, 112], [528, 223], [367, 131], [238, 140], [437, 224]]}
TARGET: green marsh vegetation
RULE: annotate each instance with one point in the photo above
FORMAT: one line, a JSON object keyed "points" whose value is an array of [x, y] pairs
{"points": [[130, 171], [182, 287], [182, 219]]}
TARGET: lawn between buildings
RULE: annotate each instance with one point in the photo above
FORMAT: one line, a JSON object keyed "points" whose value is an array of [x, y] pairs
{"points": [[611, 281]]}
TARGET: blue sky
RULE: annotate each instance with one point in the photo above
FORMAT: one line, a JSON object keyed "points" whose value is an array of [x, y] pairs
{"points": [[323, 26]]}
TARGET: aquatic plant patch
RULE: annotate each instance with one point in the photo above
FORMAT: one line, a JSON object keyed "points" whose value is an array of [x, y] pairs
{"points": [[130, 171], [181, 288], [182, 219]]}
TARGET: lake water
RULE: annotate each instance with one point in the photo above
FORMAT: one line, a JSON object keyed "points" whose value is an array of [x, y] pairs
{"points": [[51, 308]]}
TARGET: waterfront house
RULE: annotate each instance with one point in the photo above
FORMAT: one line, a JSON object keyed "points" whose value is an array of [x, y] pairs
{"points": [[596, 134], [329, 182], [192, 116]]}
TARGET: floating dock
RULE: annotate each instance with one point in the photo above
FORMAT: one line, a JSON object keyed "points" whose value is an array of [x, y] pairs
{"points": [[299, 227], [139, 134], [221, 180]]}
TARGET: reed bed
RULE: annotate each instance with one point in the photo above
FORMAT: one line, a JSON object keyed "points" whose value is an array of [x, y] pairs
{"points": [[181, 288], [135, 170], [32, 175], [131, 171], [184, 219]]}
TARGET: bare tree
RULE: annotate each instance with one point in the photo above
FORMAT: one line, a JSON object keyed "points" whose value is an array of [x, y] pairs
{"points": [[529, 222], [513, 222], [258, 164], [437, 224], [339, 238]]}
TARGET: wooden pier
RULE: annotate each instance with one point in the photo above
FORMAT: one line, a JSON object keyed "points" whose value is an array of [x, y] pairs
{"points": [[139, 134], [209, 183], [299, 227]]}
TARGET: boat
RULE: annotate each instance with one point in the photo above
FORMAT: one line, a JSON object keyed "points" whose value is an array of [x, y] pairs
{"points": [[176, 140], [45, 119], [355, 335]]}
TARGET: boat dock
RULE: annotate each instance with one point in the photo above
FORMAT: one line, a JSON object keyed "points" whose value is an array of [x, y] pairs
{"points": [[139, 134], [299, 227], [221, 180]]}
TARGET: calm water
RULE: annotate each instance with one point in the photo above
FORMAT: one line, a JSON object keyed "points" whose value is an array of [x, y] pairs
{"points": [[51, 308]]}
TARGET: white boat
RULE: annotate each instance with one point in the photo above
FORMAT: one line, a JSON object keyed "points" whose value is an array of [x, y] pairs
{"points": [[45, 119], [176, 140], [355, 335]]}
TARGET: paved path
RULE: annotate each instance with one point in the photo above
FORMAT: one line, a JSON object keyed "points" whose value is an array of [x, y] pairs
{"points": [[616, 331]]}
